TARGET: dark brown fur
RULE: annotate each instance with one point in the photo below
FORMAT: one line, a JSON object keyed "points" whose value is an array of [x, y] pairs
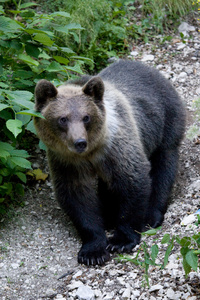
{"points": [[113, 152]]}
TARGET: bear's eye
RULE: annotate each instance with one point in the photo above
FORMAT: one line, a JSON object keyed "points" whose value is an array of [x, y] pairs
{"points": [[63, 120], [86, 119]]}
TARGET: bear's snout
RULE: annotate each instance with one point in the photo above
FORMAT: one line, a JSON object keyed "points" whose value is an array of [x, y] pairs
{"points": [[80, 145]]}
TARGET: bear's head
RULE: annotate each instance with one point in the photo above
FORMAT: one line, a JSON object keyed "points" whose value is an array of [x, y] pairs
{"points": [[74, 116]]}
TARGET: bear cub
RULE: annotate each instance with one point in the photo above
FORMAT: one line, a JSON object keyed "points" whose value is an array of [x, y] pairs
{"points": [[112, 144]]}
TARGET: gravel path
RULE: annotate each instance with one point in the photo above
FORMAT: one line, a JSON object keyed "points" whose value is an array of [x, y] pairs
{"points": [[39, 244]]}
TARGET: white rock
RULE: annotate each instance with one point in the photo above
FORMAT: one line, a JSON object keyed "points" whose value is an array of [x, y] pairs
{"points": [[60, 297], [134, 53], [182, 75], [188, 220], [85, 293], [180, 46], [108, 296], [135, 294], [198, 91], [185, 28], [171, 294], [77, 274], [127, 293], [98, 294], [156, 287], [14, 266], [121, 280], [148, 57], [74, 285], [49, 292]]}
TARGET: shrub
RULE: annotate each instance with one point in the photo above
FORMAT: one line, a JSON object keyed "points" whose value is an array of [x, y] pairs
{"points": [[29, 47]]}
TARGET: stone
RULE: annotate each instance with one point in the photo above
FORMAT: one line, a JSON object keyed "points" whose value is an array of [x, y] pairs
{"points": [[156, 287], [127, 293], [85, 293], [134, 53], [74, 285], [180, 46], [185, 28], [188, 220], [148, 57], [170, 294]]}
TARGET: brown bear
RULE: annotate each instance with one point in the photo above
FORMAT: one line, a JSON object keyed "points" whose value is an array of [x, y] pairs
{"points": [[112, 144]]}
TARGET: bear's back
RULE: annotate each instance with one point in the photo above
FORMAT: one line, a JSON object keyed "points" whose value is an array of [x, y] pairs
{"points": [[157, 108]]}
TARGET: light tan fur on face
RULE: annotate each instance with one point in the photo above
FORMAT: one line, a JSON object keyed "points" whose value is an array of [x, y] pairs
{"points": [[74, 104]]}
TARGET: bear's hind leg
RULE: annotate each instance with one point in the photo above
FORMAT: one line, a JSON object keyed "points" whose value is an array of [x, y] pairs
{"points": [[163, 172]]}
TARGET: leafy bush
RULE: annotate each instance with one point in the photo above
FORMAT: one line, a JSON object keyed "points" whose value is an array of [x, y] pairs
{"points": [[111, 26], [189, 247], [29, 51], [105, 33]]}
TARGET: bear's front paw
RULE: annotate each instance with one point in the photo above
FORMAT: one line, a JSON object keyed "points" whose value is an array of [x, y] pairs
{"points": [[92, 255], [154, 218], [121, 244]]}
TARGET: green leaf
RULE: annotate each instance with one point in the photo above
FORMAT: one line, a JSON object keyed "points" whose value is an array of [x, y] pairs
{"points": [[29, 4], [165, 239], [61, 14], [61, 60], [31, 127], [24, 118], [186, 266], [82, 58], [19, 189], [154, 252], [23, 74], [21, 162], [4, 172], [76, 69], [19, 153], [192, 259], [28, 60], [42, 146], [167, 253], [21, 176], [74, 26], [33, 30], [4, 85], [65, 29], [31, 112], [21, 98], [67, 50], [151, 231], [6, 146], [54, 67], [15, 126], [18, 95], [43, 39], [32, 50], [4, 153], [9, 25], [3, 106]]}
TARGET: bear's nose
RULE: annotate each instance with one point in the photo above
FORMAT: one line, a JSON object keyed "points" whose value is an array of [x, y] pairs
{"points": [[80, 145]]}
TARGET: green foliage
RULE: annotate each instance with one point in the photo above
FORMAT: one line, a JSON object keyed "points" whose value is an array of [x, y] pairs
{"points": [[29, 50], [105, 33], [110, 25], [189, 250]]}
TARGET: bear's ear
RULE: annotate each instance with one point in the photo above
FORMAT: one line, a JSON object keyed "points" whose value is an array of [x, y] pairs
{"points": [[95, 88], [43, 91]]}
